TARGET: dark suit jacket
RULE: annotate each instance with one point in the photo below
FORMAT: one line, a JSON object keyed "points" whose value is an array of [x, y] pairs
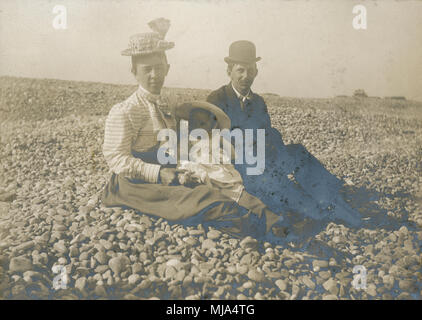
{"points": [[254, 115]]}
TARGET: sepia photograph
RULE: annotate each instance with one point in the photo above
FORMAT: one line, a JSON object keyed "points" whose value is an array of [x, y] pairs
{"points": [[208, 150]]}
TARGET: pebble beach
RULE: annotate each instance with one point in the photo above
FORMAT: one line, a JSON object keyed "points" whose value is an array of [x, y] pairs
{"points": [[52, 173]]}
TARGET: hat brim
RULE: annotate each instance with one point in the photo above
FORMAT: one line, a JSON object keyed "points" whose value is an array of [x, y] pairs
{"points": [[231, 60], [129, 52], [183, 111]]}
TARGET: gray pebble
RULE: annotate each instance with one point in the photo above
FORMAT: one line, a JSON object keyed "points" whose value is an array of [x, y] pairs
{"points": [[20, 264], [60, 247], [101, 257], [214, 234], [248, 242], [134, 279], [208, 244], [256, 275], [331, 286], [80, 284], [308, 282], [118, 264]]}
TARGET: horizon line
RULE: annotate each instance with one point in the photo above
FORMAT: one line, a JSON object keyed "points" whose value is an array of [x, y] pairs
{"points": [[340, 95]]}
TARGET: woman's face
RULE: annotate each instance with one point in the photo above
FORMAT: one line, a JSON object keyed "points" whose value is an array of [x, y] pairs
{"points": [[150, 72]]}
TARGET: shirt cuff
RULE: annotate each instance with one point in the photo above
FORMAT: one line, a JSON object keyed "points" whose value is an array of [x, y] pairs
{"points": [[152, 172]]}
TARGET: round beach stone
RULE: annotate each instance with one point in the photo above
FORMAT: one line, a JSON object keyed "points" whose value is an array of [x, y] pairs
{"points": [[134, 279], [295, 291], [101, 257], [231, 269], [259, 296], [118, 264], [80, 284], [247, 259], [101, 268], [84, 256], [281, 284], [371, 290], [241, 296], [20, 264], [308, 282], [242, 269], [174, 263], [256, 275], [331, 286], [100, 290], [196, 232], [60, 247], [191, 241], [180, 275], [170, 272], [320, 263], [248, 242], [208, 244], [214, 234], [137, 267], [408, 285], [73, 251]]}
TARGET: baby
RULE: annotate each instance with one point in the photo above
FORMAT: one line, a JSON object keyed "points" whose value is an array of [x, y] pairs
{"points": [[222, 174], [200, 168]]}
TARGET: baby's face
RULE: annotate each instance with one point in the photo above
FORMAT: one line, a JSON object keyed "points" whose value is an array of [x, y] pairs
{"points": [[202, 120]]}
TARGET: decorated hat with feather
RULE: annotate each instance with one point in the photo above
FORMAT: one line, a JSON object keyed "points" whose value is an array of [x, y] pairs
{"points": [[150, 42]]}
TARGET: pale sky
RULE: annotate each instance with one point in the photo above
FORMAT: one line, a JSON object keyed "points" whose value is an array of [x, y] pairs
{"points": [[308, 48]]}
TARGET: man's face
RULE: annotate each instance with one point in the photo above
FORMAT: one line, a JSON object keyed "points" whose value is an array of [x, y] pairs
{"points": [[242, 76], [151, 71]]}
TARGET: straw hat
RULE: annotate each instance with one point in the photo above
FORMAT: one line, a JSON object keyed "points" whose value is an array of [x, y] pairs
{"points": [[150, 42], [183, 111]]}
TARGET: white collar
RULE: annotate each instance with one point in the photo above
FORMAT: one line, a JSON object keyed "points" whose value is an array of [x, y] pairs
{"points": [[144, 92], [241, 96]]}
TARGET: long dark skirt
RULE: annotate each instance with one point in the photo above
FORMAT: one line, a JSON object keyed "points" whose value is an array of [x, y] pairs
{"points": [[188, 206]]}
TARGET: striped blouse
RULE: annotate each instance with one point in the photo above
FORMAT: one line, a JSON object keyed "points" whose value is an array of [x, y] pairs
{"points": [[132, 126]]}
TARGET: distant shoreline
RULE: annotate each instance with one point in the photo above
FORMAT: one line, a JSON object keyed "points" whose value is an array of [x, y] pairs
{"points": [[267, 94]]}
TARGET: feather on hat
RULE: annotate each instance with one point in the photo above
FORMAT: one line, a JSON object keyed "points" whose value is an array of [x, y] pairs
{"points": [[150, 42], [160, 25]]}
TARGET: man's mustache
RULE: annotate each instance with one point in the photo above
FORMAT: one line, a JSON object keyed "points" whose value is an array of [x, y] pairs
{"points": [[245, 82]]}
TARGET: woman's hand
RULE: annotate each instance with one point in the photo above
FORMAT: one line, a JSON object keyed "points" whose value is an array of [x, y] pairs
{"points": [[168, 176], [188, 178]]}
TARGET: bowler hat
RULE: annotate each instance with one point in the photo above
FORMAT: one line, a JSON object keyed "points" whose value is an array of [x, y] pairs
{"points": [[242, 51]]}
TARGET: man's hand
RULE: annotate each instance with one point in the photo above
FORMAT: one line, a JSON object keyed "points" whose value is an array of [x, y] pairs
{"points": [[168, 176]]}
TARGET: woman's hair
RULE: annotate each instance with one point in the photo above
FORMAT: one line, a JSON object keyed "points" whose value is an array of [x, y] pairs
{"points": [[137, 59]]}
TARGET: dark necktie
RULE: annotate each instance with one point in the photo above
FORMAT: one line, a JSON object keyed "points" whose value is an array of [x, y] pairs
{"points": [[243, 101]]}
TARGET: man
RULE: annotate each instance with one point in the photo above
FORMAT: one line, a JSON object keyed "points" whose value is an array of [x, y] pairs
{"points": [[130, 149], [246, 109], [293, 179]]}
